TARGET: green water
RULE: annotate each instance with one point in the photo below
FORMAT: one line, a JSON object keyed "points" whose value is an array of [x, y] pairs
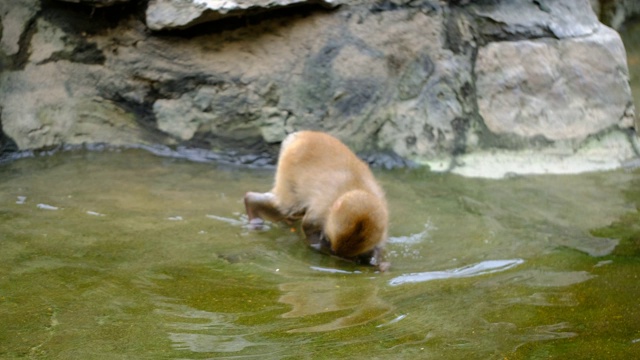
{"points": [[128, 255]]}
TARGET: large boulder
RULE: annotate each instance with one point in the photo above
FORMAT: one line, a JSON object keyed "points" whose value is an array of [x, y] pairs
{"points": [[526, 88]]}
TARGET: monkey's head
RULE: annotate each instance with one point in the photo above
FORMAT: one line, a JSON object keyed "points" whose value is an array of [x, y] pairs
{"points": [[356, 223]]}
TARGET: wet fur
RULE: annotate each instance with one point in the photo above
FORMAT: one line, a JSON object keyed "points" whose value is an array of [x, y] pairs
{"points": [[320, 180]]}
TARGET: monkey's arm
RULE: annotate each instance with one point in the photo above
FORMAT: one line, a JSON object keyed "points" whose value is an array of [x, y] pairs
{"points": [[375, 258], [261, 206]]}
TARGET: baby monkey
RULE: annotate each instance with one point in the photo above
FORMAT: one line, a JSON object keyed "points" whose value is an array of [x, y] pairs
{"points": [[342, 207]]}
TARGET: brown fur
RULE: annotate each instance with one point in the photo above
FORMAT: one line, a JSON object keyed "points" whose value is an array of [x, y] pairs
{"points": [[319, 179]]}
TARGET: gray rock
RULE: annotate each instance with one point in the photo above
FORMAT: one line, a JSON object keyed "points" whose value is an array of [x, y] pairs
{"points": [[15, 17], [57, 103], [528, 88], [525, 18]]}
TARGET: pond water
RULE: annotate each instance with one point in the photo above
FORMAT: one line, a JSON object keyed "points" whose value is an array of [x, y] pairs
{"points": [[123, 254]]}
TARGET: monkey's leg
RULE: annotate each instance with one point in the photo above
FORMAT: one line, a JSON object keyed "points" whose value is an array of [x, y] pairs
{"points": [[261, 206]]}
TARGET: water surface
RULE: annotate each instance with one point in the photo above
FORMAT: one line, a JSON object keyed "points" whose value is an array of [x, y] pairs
{"points": [[129, 255]]}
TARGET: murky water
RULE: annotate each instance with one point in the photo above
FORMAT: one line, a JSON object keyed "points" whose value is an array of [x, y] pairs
{"points": [[129, 255]]}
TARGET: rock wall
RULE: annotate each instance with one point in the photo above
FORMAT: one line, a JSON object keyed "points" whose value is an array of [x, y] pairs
{"points": [[480, 88]]}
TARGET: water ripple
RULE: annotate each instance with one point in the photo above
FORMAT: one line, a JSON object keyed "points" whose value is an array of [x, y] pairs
{"points": [[47, 207], [481, 268]]}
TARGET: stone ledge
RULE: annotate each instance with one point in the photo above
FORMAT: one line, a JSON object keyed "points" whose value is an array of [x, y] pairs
{"points": [[610, 152], [178, 15]]}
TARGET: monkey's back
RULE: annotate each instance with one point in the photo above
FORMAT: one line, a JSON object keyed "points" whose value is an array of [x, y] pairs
{"points": [[314, 169]]}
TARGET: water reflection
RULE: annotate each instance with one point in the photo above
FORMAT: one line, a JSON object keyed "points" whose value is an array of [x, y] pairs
{"points": [[196, 330], [203, 331], [539, 278], [544, 299], [353, 304]]}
